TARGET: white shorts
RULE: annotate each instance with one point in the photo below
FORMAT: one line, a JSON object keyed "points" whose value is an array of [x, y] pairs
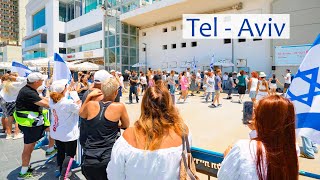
{"points": [[273, 86]]}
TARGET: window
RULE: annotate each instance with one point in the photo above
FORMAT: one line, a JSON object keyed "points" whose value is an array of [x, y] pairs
{"points": [[173, 46], [91, 46], [39, 19], [227, 41], [62, 37], [173, 28], [144, 33], [41, 38], [165, 30], [257, 39], [71, 36], [183, 45], [241, 40], [194, 44], [62, 50], [91, 29], [144, 49], [164, 47]]}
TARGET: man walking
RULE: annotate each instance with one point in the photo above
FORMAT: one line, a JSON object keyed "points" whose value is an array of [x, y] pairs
{"points": [[287, 81], [32, 119], [133, 86]]}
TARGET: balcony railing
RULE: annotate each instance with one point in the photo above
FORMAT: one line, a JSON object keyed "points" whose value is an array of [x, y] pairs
{"points": [[36, 55]]}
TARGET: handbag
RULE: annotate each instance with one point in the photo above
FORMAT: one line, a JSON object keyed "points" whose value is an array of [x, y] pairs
{"points": [[187, 165]]}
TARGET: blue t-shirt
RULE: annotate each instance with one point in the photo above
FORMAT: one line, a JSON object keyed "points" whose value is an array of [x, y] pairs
{"points": [[217, 79]]}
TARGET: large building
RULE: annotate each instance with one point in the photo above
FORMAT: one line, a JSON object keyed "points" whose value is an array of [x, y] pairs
{"points": [[12, 29], [121, 33]]}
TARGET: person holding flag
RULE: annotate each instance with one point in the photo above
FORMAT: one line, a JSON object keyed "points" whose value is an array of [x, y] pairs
{"points": [[304, 92]]}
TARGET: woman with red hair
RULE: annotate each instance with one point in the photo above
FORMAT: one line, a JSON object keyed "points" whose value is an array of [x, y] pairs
{"points": [[272, 153], [252, 85]]}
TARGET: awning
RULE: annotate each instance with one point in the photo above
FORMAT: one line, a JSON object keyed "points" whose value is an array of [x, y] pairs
{"points": [[39, 62], [5, 65], [140, 64], [86, 66]]}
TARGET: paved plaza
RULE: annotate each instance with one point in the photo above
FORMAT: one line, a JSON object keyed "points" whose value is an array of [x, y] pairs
{"points": [[212, 128]]}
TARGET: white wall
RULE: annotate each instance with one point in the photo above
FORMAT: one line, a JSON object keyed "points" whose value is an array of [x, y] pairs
{"points": [[257, 53]]}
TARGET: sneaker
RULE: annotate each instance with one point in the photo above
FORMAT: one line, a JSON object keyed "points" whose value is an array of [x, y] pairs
{"points": [[18, 136], [219, 105], [303, 155], [214, 106], [27, 175], [9, 136], [52, 152]]}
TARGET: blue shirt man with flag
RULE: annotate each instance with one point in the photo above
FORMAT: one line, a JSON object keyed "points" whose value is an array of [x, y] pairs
{"points": [[304, 92]]}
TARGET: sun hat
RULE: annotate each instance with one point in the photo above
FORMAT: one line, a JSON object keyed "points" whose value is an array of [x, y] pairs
{"points": [[262, 74], [59, 85]]}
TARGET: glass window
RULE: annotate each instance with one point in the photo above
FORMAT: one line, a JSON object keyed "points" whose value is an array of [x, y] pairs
{"points": [[111, 41], [39, 19], [241, 40], [91, 29], [112, 56], [173, 46], [62, 37], [133, 41], [90, 5], [194, 44], [125, 60], [112, 26], [133, 60], [62, 50], [41, 38], [133, 31], [125, 28], [125, 41], [133, 52], [164, 47], [183, 45], [125, 51], [227, 41], [62, 12], [91, 46]]}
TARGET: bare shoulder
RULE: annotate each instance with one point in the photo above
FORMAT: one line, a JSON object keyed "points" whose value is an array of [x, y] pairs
{"points": [[118, 105], [128, 135]]}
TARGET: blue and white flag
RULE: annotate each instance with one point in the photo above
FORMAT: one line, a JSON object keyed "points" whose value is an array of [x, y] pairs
{"points": [[304, 92], [194, 64], [21, 69], [60, 69], [212, 63]]}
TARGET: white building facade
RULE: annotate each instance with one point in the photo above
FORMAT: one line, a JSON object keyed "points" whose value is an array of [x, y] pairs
{"points": [[67, 27]]}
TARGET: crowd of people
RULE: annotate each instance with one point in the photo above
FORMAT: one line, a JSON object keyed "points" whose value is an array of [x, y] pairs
{"points": [[89, 110]]}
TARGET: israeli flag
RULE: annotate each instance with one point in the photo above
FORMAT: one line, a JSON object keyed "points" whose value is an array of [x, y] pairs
{"points": [[60, 69], [194, 64], [21, 69], [304, 92], [212, 63]]}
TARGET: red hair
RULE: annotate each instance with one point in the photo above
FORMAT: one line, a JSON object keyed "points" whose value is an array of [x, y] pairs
{"points": [[275, 125], [255, 74]]}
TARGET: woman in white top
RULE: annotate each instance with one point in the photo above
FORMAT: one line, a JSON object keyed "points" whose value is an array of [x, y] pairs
{"points": [[9, 93], [151, 149], [262, 87], [64, 126], [272, 154], [210, 82], [144, 84], [252, 86]]}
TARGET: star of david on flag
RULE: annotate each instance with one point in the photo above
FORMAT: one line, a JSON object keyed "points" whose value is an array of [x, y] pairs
{"points": [[304, 92], [21, 69]]}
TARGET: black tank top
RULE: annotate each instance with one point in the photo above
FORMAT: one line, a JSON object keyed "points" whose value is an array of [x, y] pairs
{"points": [[101, 134], [273, 81]]}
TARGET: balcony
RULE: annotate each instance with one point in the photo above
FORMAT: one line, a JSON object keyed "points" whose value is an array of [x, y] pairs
{"points": [[35, 55]]}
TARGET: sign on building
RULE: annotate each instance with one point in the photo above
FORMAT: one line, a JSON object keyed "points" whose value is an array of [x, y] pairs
{"points": [[290, 55]]}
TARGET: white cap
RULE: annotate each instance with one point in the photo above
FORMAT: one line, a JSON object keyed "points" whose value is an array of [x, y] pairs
{"points": [[112, 71], [101, 76], [59, 85], [262, 74], [36, 76]]}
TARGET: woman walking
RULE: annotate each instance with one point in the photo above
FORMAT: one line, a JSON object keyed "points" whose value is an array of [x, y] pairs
{"points": [[184, 86], [101, 125], [64, 127], [241, 86], [273, 84], [144, 84], [210, 86], [172, 85], [262, 88], [152, 148], [230, 86], [252, 86], [193, 85], [9, 93]]}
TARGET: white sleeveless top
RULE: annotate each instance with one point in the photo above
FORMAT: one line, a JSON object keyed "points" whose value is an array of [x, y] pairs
{"points": [[254, 84], [262, 87]]}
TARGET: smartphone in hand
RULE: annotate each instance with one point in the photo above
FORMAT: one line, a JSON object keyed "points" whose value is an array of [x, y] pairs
{"points": [[247, 112]]}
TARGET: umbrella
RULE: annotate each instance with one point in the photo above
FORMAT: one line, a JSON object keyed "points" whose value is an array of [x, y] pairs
{"points": [[87, 66]]}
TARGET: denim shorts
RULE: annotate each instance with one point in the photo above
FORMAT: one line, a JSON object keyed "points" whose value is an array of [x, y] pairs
{"points": [[253, 94]]}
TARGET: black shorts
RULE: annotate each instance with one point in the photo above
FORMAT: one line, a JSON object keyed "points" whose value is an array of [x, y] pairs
{"points": [[32, 134], [241, 89], [286, 85]]}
